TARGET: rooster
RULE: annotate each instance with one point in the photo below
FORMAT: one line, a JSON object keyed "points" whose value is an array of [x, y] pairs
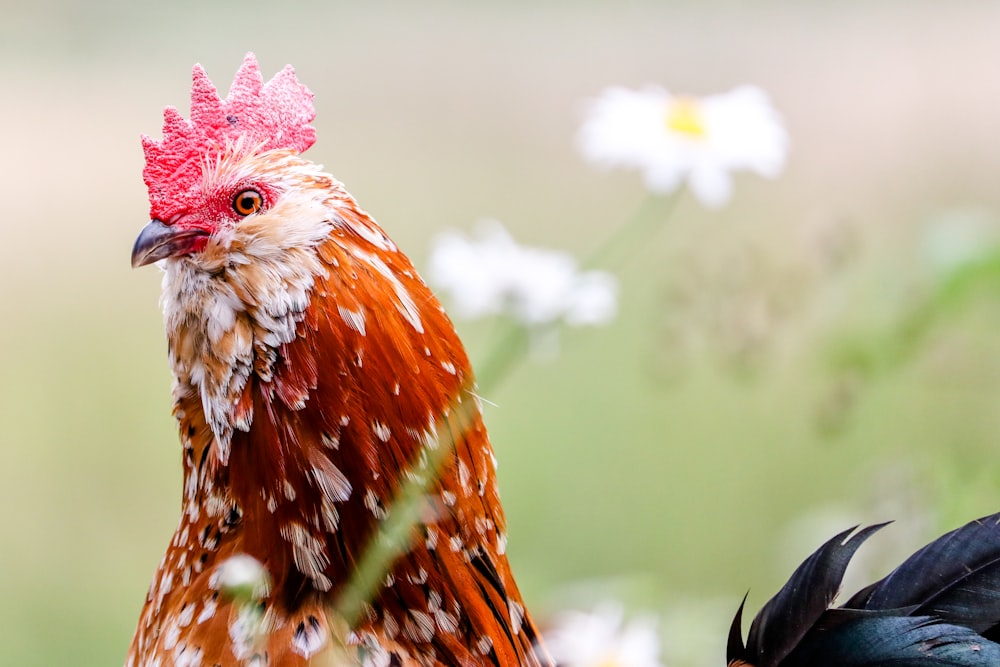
{"points": [[940, 607], [312, 367]]}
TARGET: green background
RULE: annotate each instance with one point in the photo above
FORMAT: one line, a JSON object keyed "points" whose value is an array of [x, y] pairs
{"points": [[698, 447]]}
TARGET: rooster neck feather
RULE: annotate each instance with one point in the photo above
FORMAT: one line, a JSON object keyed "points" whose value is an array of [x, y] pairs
{"points": [[229, 308], [307, 382]]}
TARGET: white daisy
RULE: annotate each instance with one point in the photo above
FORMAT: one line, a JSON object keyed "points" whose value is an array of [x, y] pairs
{"points": [[242, 578], [599, 639], [493, 275], [676, 138]]}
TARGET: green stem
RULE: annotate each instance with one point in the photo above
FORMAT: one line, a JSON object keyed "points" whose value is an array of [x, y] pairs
{"points": [[395, 533], [652, 212], [511, 346]]}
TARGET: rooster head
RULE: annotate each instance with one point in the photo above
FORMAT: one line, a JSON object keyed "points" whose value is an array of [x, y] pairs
{"points": [[202, 181]]}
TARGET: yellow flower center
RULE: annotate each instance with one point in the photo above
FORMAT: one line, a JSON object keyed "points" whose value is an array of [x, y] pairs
{"points": [[684, 116]]}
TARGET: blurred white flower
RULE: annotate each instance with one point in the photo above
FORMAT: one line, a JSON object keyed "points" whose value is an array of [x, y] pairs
{"points": [[599, 639], [493, 275], [242, 578], [676, 138]]}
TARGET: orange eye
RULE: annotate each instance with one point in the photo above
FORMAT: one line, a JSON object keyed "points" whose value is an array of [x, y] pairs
{"points": [[247, 202]]}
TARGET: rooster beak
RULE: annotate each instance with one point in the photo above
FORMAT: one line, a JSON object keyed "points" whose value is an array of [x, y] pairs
{"points": [[158, 240]]}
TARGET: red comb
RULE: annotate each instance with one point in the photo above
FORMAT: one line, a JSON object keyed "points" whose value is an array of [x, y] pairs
{"points": [[266, 116]]}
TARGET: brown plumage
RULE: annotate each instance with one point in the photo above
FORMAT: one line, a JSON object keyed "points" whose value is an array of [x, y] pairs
{"points": [[311, 364]]}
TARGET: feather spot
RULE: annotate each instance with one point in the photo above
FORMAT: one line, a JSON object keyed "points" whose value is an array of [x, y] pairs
{"points": [[308, 553], [171, 636], [446, 622], [333, 484], [483, 525], [404, 302], [381, 431], [390, 627], [331, 441], [186, 615], [329, 517], [186, 656], [464, 476], [309, 637], [207, 611], [374, 236], [418, 626], [516, 611], [374, 505], [355, 319]]}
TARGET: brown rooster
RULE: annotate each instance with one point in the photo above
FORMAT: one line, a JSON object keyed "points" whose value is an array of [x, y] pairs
{"points": [[312, 365]]}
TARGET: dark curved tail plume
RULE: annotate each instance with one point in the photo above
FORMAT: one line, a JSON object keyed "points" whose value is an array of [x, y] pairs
{"points": [[940, 607]]}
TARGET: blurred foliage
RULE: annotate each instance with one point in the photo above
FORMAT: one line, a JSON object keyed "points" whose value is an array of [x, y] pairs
{"points": [[956, 293], [782, 358], [962, 290]]}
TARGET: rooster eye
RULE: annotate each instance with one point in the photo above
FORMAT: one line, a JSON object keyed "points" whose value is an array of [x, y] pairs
{"points": [[247, 202]]}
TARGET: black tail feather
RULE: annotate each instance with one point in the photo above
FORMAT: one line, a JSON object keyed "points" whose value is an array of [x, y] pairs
{"points": [[734, 644], [789, 615], [955, 578], [940, 607], [899, 641]]}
